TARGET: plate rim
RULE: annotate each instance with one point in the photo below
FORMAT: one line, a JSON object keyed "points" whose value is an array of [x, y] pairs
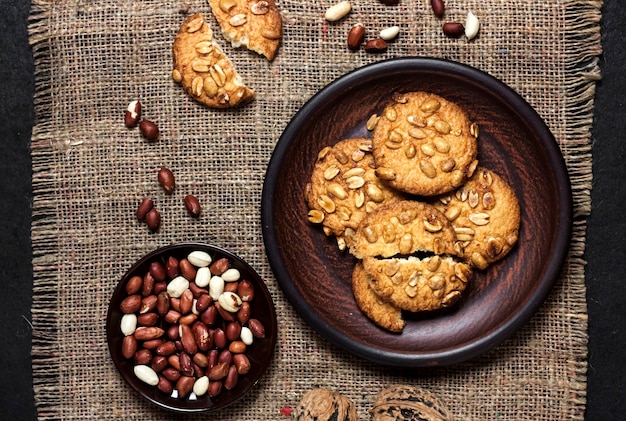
{"points": [[533, 301]]}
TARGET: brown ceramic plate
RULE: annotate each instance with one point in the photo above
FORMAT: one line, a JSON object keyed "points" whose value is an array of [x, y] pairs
{"points": [[514, 142], [259, 353]]}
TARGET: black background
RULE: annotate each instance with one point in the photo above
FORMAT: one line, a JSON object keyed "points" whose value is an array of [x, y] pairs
{"points": [[605, 253]]}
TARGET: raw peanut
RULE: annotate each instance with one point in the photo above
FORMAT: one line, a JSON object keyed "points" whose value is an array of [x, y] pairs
{"points": [[219, 266], [215, 388], [165, 385], [172, 316], [129, 346], [171, 373], [148, 285], [472, 25], [231, 378], [158, 363], [243, 315], [172, 267], [339, 10], [231, 275], [177, 286], [242, 363], [184, 385], [199, 258], [356, 36], [148, 304], [188, 319], [148, 333], [246, 335], [201, 359], [146, 374], [389, 33], [203, 302], [231, 287], [376, 45], [163, 303], [201, 386], [237, 347], [159, 287], [142, 356], [187, 270], [166, 349], [166, 180], [172, 333], [186, 337], [175, 303], [439, 8], [147, 319], [158, 272], [218, 371], [225, 356], [153, 219], [149, 130], [185, 364], [196, 290], [226, 315], [202, 336], [132, 114], [198, 371], [216, 287], [453, 29], [153, 344], [192, 204], [128, 324], [219, 338], [232, 331], [131, 304], [186, 301], [229, 301], [203, 277], [257, 329], [144, 207], [213, 356], [134, 285], [245, 290], [209, 316]]}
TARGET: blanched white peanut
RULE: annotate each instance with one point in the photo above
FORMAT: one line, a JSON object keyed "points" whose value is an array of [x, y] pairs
{"points": [[472, 25], [128, 324], [246, 335], [203, 276], [146, 374], [230, 301], [216, 287], [389, 33], [231, 275], [199, 258], [339, 10], [177, 286], [201, 386]]}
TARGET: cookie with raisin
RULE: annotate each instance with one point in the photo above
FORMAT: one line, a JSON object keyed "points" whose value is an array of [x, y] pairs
{"points": [[424, 144]]}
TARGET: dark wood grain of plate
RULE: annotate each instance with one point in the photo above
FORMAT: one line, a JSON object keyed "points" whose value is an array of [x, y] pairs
{"points": [[514, 142]]}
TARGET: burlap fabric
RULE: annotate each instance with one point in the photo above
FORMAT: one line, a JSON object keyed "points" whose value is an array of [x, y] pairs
{"points": [[90, 172]]}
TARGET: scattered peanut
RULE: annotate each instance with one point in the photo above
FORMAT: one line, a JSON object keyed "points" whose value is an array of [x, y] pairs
{"points": [[356, 36], [338, 11], [389, 33], [472, 25]]}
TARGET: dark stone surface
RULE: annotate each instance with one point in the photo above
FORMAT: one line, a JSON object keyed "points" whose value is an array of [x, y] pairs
{"points": [[605, 254]]}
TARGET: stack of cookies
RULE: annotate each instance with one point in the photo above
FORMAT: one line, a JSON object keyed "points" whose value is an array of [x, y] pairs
{"points": [[414, 207]]}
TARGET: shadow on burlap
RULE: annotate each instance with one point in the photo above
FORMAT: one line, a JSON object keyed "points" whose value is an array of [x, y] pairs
{"points": [[90, 172]]}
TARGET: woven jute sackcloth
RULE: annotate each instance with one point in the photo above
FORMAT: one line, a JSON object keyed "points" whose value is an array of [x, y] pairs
{"points": [[90, 172]]}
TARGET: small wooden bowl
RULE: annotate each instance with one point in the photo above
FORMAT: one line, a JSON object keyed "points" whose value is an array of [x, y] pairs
{"points": [[514, 142], [259, 353]]}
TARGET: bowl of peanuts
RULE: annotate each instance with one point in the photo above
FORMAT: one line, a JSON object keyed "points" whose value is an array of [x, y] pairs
{"points": [[191, 327]]}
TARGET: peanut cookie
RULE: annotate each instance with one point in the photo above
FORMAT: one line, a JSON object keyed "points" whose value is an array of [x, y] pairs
{"points": [[408, 403], [256, 25], [424, 144], [382, 313], [344, 188], [415, 284], [403, 228], [203, 69], [485, 214]]}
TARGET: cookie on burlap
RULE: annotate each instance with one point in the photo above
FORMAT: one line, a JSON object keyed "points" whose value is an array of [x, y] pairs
{"points": [[202, 68], [415, 284], [382, 313], [322, 404], [424, 144], [408, 403], [256, 25], [485, 214], [403, 228], [343, 188]]}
